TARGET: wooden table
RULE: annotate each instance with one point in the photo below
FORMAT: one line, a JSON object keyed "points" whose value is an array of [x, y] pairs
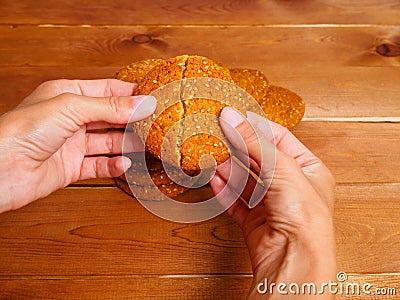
{"points": [[90, 240]]}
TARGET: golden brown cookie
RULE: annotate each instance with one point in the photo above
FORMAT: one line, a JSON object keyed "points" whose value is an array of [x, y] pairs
{"points": [[159, 176], [152, 172], [136, 71], [170, 107], [188, 125], [200, 66], [148, 192], [175, 105], [252, 81], [199, 144], [283, 106], [142, 178]]}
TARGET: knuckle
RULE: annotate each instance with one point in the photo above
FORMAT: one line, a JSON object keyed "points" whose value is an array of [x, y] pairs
{"points": [[109, 143], [69, 108], [119, 108], [288, 163], [115, 105], [49, 85], [247, 132], [101, 169], [52, 86], [45, 91], [66, 99]]}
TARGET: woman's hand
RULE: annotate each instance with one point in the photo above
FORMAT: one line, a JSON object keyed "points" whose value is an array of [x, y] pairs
{"points": [[44, 143], [289, 234]]}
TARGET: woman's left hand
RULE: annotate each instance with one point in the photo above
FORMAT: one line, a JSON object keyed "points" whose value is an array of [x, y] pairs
{"points": [[44, 143]]}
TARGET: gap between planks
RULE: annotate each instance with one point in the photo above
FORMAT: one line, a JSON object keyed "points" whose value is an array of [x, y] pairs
{"points": [[95, 277], [171, 276], [353, 119], [201, 25], [330, 25]]}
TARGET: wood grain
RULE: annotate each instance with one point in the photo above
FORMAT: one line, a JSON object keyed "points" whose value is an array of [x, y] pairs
{"points": [[127, 288], [201, 287], [360, 214], [381, 283], [102, 231], [201, 12], [355, 152], [330, 92], [91, 241], [317, 47]]}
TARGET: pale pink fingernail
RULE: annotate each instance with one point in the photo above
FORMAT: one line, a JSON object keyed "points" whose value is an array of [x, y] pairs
{"points": [[126, 163], [143, 106], [232, 116]]}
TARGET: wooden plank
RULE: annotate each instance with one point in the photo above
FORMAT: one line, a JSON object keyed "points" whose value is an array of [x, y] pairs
{"points": [[367, 228], [264, 46], [18, 82], [82, 232], [331, 92], [383, 286], [196, 287], [126, 288], [201, 12], [104, 231], [355, 152]]}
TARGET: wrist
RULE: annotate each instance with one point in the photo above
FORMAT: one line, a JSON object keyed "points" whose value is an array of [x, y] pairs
{"points": [[305, 264]]}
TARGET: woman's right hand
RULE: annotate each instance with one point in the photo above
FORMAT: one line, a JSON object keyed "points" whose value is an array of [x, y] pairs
{"points": [[289, 234]]}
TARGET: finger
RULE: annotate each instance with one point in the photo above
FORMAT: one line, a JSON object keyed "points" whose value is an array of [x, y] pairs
{"points": [[252, 164], [288, 143], [91, 88], [111, 143], [290, 184], [68, 113], [103, 87], [247, 141], [283, 139], [238, 179], [103, 167], [313, 168], [112, 109], [286, 171], [238, 210]]}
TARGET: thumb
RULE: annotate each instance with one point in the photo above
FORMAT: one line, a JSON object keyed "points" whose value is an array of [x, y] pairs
{"points": [[112, 109], [278, 171], [52, 122], [275, 167], [250, 144], [252, 149]]}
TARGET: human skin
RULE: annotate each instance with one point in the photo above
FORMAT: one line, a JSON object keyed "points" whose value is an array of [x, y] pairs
{"points": [[45, 144], [289, 234]]}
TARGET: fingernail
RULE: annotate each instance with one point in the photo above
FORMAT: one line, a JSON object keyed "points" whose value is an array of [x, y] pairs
{"points": [[143, 106], [126, 163], [232, 116]]}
